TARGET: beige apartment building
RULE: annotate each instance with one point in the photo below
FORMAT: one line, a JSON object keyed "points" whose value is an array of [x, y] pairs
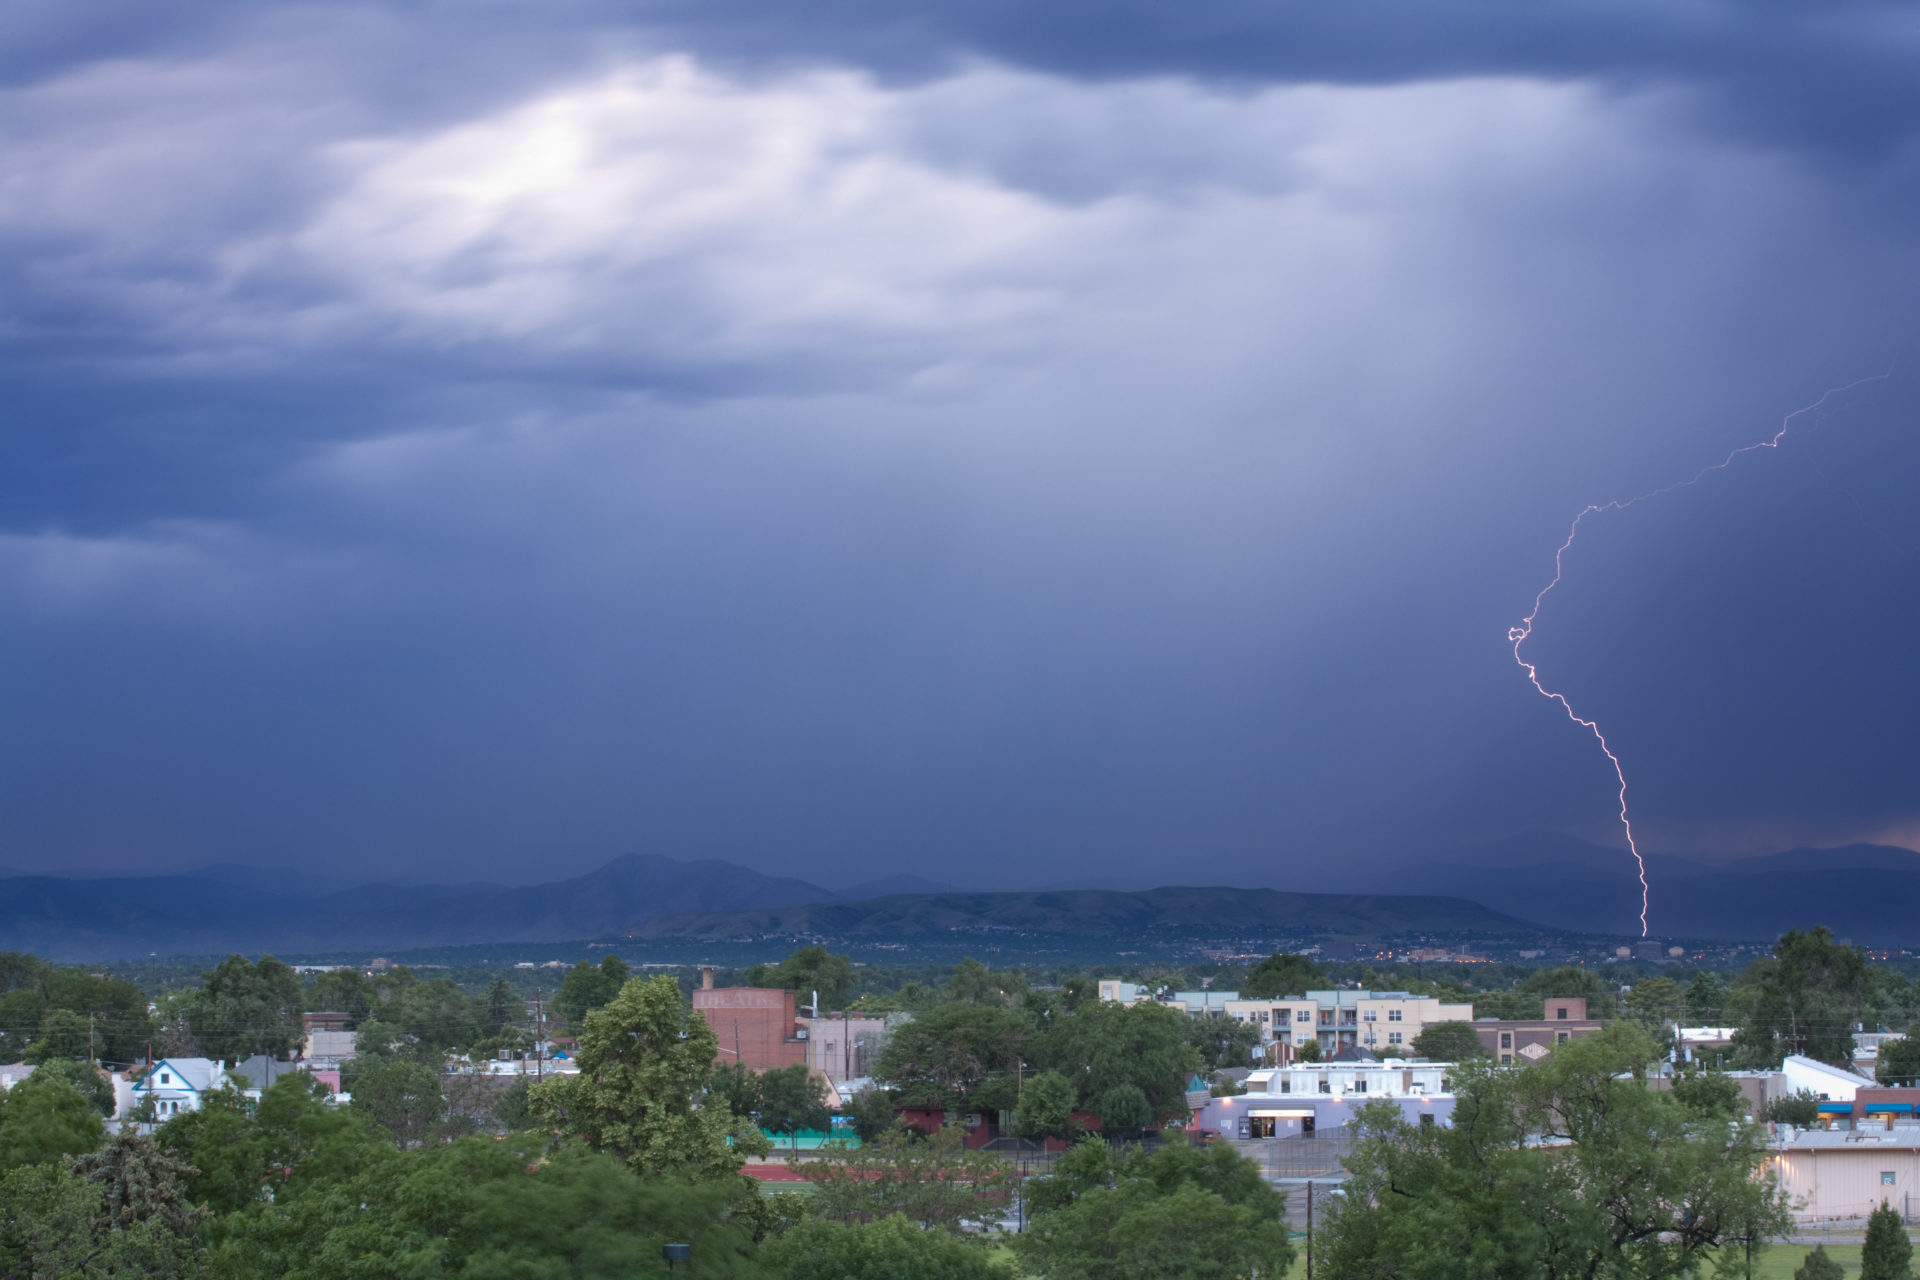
{"points": [[1382, 1022]]}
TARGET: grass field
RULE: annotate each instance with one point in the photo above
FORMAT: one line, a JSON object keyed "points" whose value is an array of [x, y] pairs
{"points": [[1780, 1260], [1777, 1263]]}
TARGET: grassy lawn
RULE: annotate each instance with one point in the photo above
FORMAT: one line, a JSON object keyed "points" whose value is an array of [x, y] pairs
{"points": [[1780, 1260], [1777, 1263]]}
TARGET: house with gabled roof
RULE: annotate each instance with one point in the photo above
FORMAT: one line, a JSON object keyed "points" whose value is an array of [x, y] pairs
{"points": [[179, 1084]]}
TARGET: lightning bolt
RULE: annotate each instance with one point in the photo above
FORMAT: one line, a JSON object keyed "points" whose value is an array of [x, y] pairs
{"points": [[1518, 635]]}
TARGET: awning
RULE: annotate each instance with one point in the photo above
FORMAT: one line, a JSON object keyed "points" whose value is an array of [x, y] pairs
{"points": [[1284, 1113], [1836, 1108], [1889, 1108]]}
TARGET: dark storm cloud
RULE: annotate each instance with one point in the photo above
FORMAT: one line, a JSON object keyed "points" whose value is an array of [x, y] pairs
{"points": [[1057, 442], [1835, 75]]}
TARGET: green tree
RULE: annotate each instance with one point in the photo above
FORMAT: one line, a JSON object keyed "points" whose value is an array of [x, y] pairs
{"points": [[63, 1034], [481, 1208], [1804, 999], [1046, 1107], [403, 1098], [1819, 1265], [1124, 1111], [872, 1112], [737, 1086], [890, 1248], [810, 969], [644, 1060], [971, 983], [933, 1180], [1899, 1060], [511, 1106], [85, 1078], [1628, 1182], [141, 1183], [1223, 1042], [1282, 974], [347, 991], [589, 986], [1102, 1046], [1308, 1052], [23, 999], [793, 1099], [1887, 1253], [1709, 1093], [1448, 1042], [1800, 1109], [76, 1011], [1656, 1004], [502, 1008], [56, 1223], [1706, 999], [943, 1058], [1177, 1212], [237, 1151], [1600, 993], [244, 1009], [435, 1017], [42, 1120]]}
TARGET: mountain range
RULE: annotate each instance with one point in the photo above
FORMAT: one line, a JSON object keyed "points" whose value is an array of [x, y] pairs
{"points": [[216, 910], [1865, 892], [1219, 911], [1514, 888], [222, 909]]}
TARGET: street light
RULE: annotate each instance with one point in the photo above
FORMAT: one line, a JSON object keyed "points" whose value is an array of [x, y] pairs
{"points": [[676, 1254]]}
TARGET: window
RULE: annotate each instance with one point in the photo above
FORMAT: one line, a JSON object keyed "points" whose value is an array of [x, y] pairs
{"points": [[1263, 1015], [1506, 1039], [1886, 1177], [1286, 1085], [1560, 1037], [167, 1079], [1325, 1087], [1506, 1059], [1393, 1015], [1393, 1037], [1426, 1119], [1368, 1016], [1360, 1085], [1561, 1014], [1303, 1015]]}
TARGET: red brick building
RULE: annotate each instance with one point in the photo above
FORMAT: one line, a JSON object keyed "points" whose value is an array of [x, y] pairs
{"points": [[758, 1026]]}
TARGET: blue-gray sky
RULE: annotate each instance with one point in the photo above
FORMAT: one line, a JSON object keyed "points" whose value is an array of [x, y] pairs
{"points": [[1011, 444]]}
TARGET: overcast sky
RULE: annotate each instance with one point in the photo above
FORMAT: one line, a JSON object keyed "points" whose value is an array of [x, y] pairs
{"points": [[1007, 443]]}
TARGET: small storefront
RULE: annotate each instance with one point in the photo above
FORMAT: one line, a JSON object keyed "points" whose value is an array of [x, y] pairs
{"points": [[1279, 1122]]}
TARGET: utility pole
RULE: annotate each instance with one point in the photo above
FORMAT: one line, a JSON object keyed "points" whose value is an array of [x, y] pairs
{"points": [[539, 1034], [90, 1056], [1309, 1229]]}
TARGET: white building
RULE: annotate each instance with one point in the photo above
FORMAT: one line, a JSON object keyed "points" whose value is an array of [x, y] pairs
{"points": [[1825, 1083], [1309, 1098], [179, 1084]]}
